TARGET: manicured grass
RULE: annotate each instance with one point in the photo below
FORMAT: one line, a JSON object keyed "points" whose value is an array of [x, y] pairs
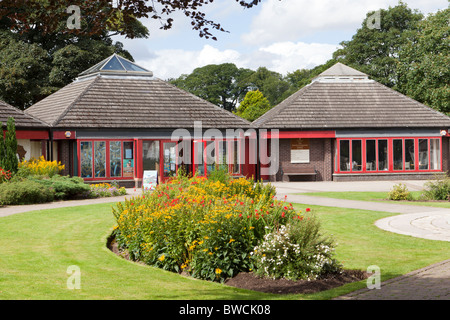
{"points": [[379, 197], [36, 248]]}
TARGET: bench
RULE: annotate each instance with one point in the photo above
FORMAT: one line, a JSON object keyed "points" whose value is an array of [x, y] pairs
{"points": [[291, 169]]}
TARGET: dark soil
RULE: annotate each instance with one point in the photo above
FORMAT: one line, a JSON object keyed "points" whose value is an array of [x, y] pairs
{"points": [[248, 280]]}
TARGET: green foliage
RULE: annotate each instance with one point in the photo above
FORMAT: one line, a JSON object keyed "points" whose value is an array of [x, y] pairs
{"points": [[223, 85], [65, 187], [423, 68], [374, 51], [8, 147], [399, 192], [25, 192], [253, 106], [438, 189], [296, 251], [205, 227]]}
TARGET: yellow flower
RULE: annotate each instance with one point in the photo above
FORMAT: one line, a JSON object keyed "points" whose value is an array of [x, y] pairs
{"points": [[218, 271], [161, 258], [231, 240]]}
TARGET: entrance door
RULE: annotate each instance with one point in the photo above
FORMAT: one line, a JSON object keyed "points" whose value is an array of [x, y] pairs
{"points": [[169, 165]]}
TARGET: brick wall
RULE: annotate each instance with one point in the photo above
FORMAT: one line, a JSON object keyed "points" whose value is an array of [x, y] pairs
{"points": [[446, 154], [320, 156]]}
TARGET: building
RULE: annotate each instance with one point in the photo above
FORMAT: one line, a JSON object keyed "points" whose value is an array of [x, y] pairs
{"points": [[116, 120], [31, 133], [345, 126]]}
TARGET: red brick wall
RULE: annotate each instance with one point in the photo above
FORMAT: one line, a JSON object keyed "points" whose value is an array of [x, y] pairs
{"points": [[320, 156]]}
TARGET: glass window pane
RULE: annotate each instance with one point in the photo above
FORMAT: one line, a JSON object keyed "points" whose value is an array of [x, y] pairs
{"points": [[382, 155], [128, 159], [150, 155], [170, 159], [356, 155], [100, 159], [398, 154], [115, 158], [409, 154], [235, 165], [86, 159], [344, 152], [198, 158], [210, 155], [371, 155], [423, 154], [435, 154]]}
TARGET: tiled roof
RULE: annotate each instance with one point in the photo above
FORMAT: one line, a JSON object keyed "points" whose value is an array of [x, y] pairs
{"points": [[22, 120], [350, 104], [127, 102]]}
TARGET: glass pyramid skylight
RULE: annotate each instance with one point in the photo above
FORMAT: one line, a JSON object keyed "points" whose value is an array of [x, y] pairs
{"points": [[117, 65]]}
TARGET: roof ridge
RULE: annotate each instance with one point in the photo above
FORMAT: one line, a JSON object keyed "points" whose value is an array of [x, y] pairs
{"points": [[78, 98]]}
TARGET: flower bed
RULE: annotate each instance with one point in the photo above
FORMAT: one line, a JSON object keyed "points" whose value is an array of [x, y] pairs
{"points": [[210, 229]]}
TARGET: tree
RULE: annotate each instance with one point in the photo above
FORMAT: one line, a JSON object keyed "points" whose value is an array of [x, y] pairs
{"points": [[10, 161], [223, 85], [374, 50], [253, 106], [100, 15], [423, 67], [270, 83]]}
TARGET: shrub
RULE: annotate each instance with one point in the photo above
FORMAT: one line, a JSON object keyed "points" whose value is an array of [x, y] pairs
{"points": [[204, 227], [25, 192], [65, 187], [399, 192], [295, 251], [105, 190], [438, 189], [39, 167]]}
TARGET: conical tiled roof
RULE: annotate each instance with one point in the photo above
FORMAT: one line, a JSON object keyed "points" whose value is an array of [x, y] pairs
{"points": [[349, 100], [99, 100]]}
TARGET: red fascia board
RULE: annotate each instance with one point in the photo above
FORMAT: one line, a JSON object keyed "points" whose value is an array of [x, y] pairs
{"points": [[61, 135], [31, 134], [300, 134]]}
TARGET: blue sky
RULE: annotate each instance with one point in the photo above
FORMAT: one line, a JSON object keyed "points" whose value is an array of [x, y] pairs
{"points": [[281, 35]]}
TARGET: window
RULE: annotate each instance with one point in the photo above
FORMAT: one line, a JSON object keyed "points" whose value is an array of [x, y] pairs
{"points": [[106, 159], [150, 155], [86, 159], [409, 154], [300, 150], [115, 159], [356, 155], [435, 154], [99, 159], [128, 159], [371, 155], [423, 154], [398, 154], [382, 155], [344, 158]]}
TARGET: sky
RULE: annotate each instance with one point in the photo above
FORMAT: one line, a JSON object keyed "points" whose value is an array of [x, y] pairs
{"points": [[281, 35]]}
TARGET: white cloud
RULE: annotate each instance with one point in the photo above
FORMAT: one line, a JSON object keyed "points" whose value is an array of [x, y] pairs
{"points": [[290, 20], [282, 57]]}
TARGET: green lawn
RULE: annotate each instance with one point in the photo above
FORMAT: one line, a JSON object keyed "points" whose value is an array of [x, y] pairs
{"points": [[378, 197], [37, 247]]}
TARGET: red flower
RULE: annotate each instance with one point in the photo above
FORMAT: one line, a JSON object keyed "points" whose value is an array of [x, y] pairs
{"points": [[308, 209], [282, 214]]}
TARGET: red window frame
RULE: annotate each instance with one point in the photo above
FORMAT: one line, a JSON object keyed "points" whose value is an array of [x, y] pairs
{"points": [[107, 159], [390, 141]]}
